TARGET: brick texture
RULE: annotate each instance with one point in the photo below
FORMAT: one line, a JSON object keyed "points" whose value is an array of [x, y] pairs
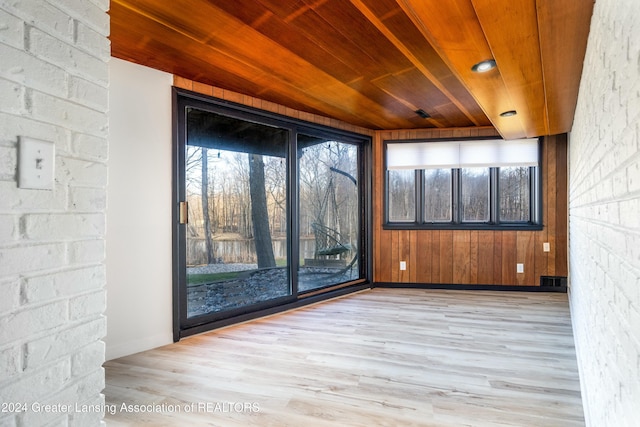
{"points": [[605, 217], [53, 86]]}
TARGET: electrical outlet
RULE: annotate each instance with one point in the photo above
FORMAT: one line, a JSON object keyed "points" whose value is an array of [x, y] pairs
{"points": [[519, 268], [546, 247], [403, 265]]}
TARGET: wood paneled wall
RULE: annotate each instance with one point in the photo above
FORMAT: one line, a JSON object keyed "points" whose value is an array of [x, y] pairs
{"points": [[474, 257], [443, 256]]}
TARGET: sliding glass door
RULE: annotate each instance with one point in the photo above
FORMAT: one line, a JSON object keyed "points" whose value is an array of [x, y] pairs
{"points": [[268, 212], [329, 214], [236, 193]]}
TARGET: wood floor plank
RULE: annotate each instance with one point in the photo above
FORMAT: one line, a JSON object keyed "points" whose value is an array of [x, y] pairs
{"points": [[385, 357]]}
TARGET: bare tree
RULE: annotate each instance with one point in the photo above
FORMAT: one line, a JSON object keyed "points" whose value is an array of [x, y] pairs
{"points": [[275, 186], [514, 193], [205, 207], [259, 213], [192, 183], [401, 195]]}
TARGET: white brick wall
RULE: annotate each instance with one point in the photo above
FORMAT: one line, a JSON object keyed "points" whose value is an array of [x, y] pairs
{"points": [[54, 86], [605, 217]]}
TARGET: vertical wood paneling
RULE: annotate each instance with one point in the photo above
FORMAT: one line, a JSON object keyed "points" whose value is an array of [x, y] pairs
{"points": [[509, 257], [497, 258], [412, 257], [182, 83], [461, 133], [473, 257], [461, 256], [203, 88], [404, 248], [446, 256], [219, 93], [423, 259], [485, 257], [384, 258], [524, 255], [435, 256], [395, 256]]}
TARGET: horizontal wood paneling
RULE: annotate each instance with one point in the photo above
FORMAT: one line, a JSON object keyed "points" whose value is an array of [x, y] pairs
{"points": [[475, 257]]}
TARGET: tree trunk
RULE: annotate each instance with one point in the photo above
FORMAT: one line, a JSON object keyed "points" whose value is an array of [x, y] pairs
{"points": [[205, 207], [259, 212]]}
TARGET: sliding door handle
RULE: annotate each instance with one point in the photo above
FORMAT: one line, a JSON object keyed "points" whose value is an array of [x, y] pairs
{"points": [[184, 213]]}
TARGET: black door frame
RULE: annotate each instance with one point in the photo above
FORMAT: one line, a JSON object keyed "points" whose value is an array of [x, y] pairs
{"points": [[182, 326]]}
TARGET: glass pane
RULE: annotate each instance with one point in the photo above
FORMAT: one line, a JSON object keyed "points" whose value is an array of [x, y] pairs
{"points": [[515, 194], [401, 198], [474, 188], [329, 215], [236, 190], [437, 195]]}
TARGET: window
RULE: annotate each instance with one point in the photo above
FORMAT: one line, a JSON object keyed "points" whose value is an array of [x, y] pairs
{"points": [[484, 184], [437, 195], [474, 194], [402, 196], [515, 194]]}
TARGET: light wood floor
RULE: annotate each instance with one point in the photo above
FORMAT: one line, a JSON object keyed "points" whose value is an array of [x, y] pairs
{"points": [[386, 357]]}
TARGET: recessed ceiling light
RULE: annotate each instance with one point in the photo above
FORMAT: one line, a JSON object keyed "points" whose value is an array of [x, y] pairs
{"points": [[484, 66], [508, 113]]}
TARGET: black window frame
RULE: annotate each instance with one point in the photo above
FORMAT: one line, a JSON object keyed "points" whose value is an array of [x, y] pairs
{"points": [[184, 326], [535, 222]]}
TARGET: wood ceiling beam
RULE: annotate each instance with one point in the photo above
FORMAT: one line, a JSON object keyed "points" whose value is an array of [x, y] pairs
{"points": [[453, 29], [413, 59], [563, 23], [511, 30]]}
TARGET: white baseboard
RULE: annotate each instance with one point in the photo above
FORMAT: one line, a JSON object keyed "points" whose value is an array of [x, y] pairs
{"points": [[116, 350]]}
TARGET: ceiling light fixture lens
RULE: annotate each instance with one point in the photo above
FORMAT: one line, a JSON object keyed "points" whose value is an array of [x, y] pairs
{"points": [[508, 113], [484, 66]]}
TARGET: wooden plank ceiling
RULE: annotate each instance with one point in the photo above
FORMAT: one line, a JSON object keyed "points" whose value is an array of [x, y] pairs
{"points": [[373, 63]]}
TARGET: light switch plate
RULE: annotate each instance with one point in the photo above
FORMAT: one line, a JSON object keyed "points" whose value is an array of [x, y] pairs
{"points": [[403, 265], [36, 160], [519, 268], [546, 247]]}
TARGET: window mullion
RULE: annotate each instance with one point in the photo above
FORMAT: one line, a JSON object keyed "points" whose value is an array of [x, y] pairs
{"points": [[419, 180], [456, 203], [494, 196], [534, 195]]}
